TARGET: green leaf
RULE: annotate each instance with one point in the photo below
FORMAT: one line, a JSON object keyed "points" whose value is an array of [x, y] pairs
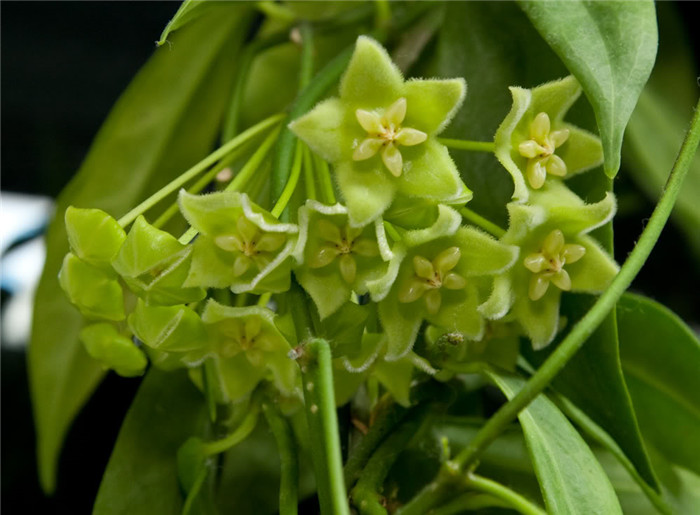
{"points": [[606, 400], [188, 11], [179, 88], [493, 46], [661, 359], [610, 47], [571, 478], [141, 476]]}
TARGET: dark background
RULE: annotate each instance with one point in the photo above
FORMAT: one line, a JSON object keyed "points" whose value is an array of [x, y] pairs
{"points": [[63, 66]]}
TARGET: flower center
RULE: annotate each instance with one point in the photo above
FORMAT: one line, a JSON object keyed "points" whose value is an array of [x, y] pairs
{"points": [[252, 244], [342, 243], [431, 276], [548, 264], [386, 132], [539, 150]]}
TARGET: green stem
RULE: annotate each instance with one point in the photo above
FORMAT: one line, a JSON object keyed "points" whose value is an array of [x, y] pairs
{"points": [[306, 70], [482, 222], [309, 179], [198, 186], [605, 303], [198, 168], [324, 174], [505, 494], [291, 185], [463, 144], [194, 491], [289, 463], [319, 400], [365, 495], [234, 111], [241, 433], [321, 82], [242, 178], [391, 231]]}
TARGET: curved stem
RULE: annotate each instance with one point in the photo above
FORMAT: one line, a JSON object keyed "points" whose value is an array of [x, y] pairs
{"points": [[291, 185], [463, 144], [309, 179], [241, 433], [324, 174], [505, 494], [366, 495], [198, 168], [317, 377], [289, 466], [306, 70], [321, 82], [482, 222]]}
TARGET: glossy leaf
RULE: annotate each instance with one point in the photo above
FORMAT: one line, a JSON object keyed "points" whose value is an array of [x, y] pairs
{"points": [[571, 478], [141, 476], [661, 359], [188, 11], [610, 47], [133, 155]]}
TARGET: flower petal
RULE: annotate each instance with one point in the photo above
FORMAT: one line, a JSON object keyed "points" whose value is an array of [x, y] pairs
{"points": [[391, 156], [348, 268], [409, 137], [367, 148], [325, 130], [371, 78], [432, 103], [367, 190], [395, 113], [369, 120]]}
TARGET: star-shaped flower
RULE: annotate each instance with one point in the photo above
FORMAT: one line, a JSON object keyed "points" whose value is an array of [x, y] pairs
{"points": [[380, 135], [556, 255], [335, 258], [240, 245], [435, 275], [249, 348], [534, 143]]}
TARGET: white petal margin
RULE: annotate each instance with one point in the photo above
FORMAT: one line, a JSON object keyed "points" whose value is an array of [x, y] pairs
{"points": [[270, 226], [336, 209]]}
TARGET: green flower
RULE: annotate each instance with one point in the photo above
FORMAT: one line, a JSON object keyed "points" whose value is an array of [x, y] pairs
{"points": [[240, 245], [556, 255], [435, 276], [113, 349], [154, 265], [336, 258], [534, 142], [249, 348], [380, 135], [174, 336]]}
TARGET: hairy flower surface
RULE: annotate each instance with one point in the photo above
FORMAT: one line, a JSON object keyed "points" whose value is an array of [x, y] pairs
{"points": [[249, 348], [435, 275], [534, 143], [380, 135], [556, 255], [335, 258], [240, 245]]}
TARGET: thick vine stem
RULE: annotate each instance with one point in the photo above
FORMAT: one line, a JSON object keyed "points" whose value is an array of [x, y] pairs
{"points": [[317, 377], [366, 494], [287, 448], [466, 459]]}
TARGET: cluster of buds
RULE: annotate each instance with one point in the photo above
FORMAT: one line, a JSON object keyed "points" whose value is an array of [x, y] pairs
{"points": [[391, 265]]}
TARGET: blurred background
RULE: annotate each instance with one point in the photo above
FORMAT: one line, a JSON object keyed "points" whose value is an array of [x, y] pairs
{"points": [[64, 64]]}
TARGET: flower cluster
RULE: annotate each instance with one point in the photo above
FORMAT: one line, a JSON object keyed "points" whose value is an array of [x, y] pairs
{"points": [[398, 281]]}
